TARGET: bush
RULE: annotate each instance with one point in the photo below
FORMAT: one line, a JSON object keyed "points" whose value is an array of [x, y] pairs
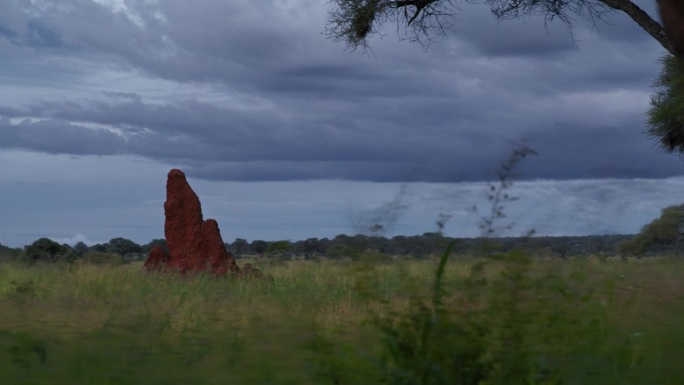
{"points": [[663, 234], [503, 325], [8, 254], [47, 251]]}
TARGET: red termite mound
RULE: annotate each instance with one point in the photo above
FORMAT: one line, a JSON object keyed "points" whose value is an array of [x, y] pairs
{"points": [[195, 245]]}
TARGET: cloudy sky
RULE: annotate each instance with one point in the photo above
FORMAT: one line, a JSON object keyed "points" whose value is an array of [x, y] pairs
{"points": [[284, 134]]}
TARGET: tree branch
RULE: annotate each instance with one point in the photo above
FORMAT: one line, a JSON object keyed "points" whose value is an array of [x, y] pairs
{"points": [[353, 20], [415, 3], [418, 4], [642, 18]]}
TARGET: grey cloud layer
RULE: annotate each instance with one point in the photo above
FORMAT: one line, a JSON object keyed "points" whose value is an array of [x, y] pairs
{"points": [[311, 111]]}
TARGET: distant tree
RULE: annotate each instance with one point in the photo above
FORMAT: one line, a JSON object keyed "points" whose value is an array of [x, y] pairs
{"points": [[341, 239], [359, 244], [380, 245], [400, 245], [435, 242], [80, 248], [8, 253], [298, 248], [122, 246], [418, 246], [323, 245], [560, 247], [258, 246], [664, 233], [239, 247], [310, 247], [46, 250], [279, 249], [161, 242], [99, 247]]}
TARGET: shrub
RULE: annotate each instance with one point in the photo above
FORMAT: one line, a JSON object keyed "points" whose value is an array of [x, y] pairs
{"points": [[664, 233], [46, 250]]}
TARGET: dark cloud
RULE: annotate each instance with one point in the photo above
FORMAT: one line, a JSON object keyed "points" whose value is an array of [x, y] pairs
{"points": [[512, 38], [58, 137], [288, 104], [613, 152]]}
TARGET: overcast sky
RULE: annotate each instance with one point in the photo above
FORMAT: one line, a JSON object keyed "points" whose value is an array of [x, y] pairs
{"points": [[284, 134]]}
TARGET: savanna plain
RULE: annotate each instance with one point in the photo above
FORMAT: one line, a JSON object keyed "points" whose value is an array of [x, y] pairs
{"points": [[446, 319]]}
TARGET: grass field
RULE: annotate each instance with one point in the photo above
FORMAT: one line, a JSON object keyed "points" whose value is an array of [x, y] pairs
{"points": [[511, 321]]}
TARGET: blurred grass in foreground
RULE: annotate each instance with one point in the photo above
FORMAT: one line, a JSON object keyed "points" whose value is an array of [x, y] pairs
{"points": [[511, 321]]}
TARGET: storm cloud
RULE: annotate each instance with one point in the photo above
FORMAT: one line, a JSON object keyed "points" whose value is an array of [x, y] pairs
{"points": [[253, 91], [250, 93]]}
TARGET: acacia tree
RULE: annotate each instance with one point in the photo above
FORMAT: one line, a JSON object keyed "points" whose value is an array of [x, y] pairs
{"points": [[310, 247], [239, 246], [666, 115], [46, 250], [354, 22], [122, 246], [279, 248], [258, 246]]}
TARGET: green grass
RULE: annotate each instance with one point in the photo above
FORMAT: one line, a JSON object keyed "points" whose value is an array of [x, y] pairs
{"points": [[583, 321]]}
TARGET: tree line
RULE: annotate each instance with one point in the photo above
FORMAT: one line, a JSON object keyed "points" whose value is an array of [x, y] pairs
{"points": [[122, 250], [663, 236]]}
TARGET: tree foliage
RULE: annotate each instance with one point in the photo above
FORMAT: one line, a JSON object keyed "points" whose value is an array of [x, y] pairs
{"points": [[666, 116], [8, 253], [240, 246], [122, 246], [664, 233], [355, 21], [46, 250], [279, 249], [310, 247], [80, 248], [161, 242], [258, 246]]}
